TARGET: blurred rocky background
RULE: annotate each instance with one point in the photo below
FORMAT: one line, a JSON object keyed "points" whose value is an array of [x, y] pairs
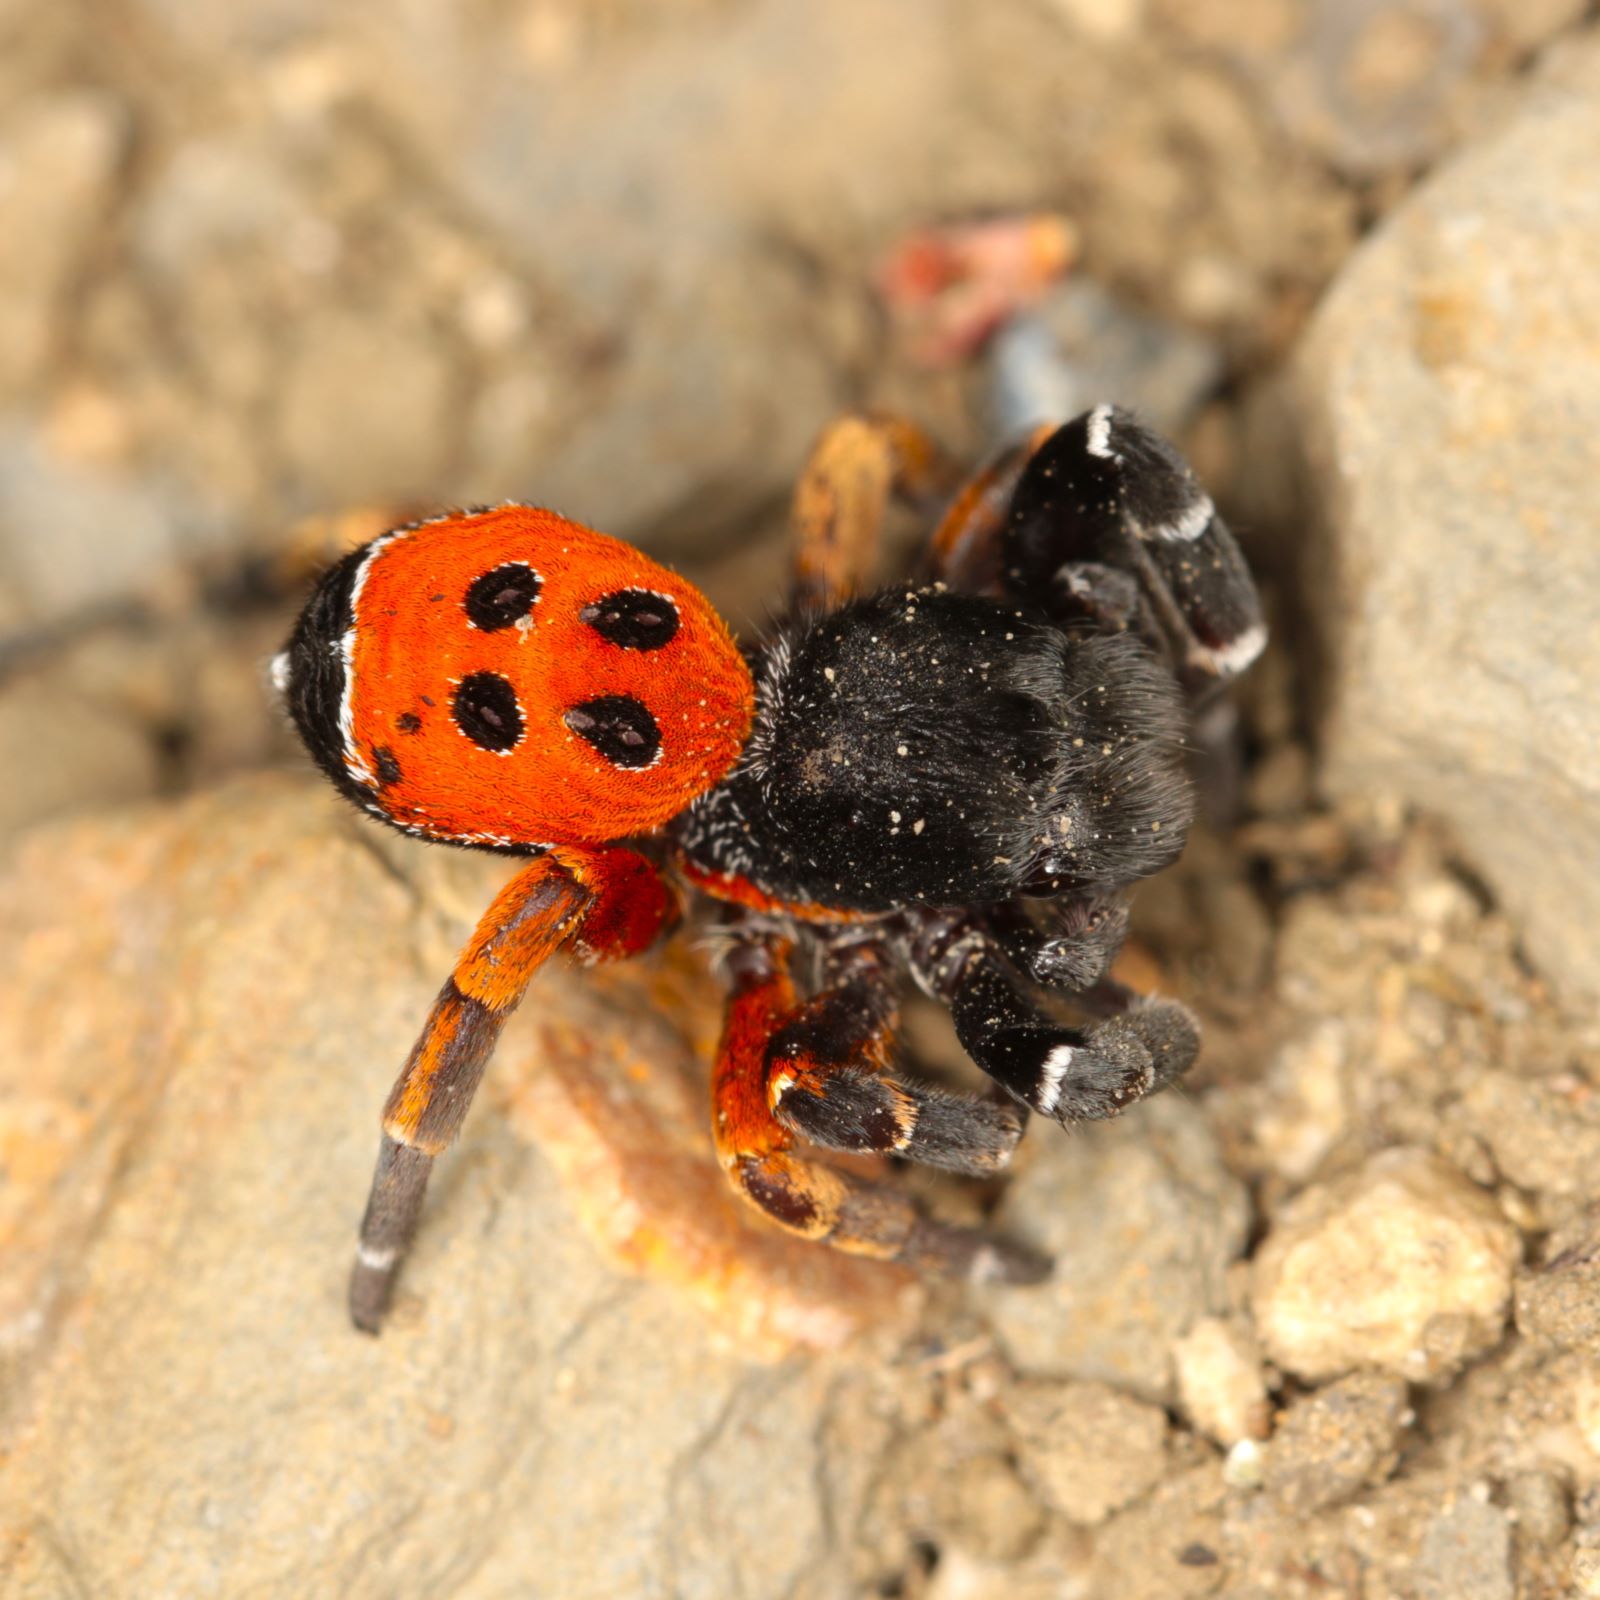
{"points": [[1327, 1323]]}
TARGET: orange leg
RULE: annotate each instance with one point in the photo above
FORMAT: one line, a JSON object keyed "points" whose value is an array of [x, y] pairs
{"points": [[784, 1069], [843, 494], [965, 548], [607, 903]]}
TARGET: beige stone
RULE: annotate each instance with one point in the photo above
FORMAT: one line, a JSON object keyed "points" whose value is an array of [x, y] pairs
{"points": [[1220, 1382], [1401, 1265], [1089, 1449], [1143, 1220], [201, 1008], [1449, 394]]}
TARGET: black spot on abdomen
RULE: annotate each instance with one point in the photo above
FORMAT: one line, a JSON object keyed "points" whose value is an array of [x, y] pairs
{"points": [[486, 710], [619, 727], [503, 597], [635, 619]]}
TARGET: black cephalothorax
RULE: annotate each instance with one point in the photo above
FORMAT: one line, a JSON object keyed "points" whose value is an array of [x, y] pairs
{"points": [[923, 747]]}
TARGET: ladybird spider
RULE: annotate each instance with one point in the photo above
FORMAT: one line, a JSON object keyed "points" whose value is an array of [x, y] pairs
{"points": [[957, 777]]}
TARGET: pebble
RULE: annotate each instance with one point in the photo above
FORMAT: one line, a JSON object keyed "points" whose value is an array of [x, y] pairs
{"points": [[1088, 1448], [1586, 1406], [1220, 1382], [1401, 1265], [1333, 1444], [1243, 1467], [1466, 1554], [1542, 1505]]}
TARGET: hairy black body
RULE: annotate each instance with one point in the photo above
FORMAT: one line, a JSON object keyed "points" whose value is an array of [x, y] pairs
{"points": [[922, 747]]}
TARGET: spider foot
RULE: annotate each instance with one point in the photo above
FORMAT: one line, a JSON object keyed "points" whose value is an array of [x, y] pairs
{"points": [[859, 1109], [973, 1255], [1118, 1062], [393, 1207], [1073, 1074]]}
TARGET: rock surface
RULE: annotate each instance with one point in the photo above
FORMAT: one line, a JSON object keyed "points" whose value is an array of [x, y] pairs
{"points": [[1220, 1382], [1337, 1442], [1089, 1449], [1168, 1546], [1448, 387], [265, 252], [1402, 1265], [1466, 1554], [59, 158], [1558, 1302], [201, 1009], [985, 1510], [73, 754], [1143, 1220], [1543, 1134]]}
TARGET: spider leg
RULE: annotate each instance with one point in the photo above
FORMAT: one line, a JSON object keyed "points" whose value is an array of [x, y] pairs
{"points": [[608, 903], [1104, 499], [784, 1068], [1067, 943], [828, 1078], [964, 550], [1071, 1073], [843, 494]]}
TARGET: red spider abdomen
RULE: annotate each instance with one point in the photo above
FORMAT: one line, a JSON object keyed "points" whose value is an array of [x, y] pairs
{"points": [[511, 678]]}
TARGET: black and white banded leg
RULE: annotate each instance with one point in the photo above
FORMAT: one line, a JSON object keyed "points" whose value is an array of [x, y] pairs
{"points": [[830, 1080], [789, 1070], [1066, 943], [1070, 1073], [1104, 500]]}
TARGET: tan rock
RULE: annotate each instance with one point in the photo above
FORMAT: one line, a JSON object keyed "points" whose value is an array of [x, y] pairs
{"points": [[200, 1011], [1448, 390], [1143, 1219], [1089, 1449], [1169, 1545], [1543, 1136], [984, 1509], [1304, 1110], [1337, 1442], [1586, 1406], [1220, 1383], [1401, 1265], [1558, 1302], [1466, 1554]]}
